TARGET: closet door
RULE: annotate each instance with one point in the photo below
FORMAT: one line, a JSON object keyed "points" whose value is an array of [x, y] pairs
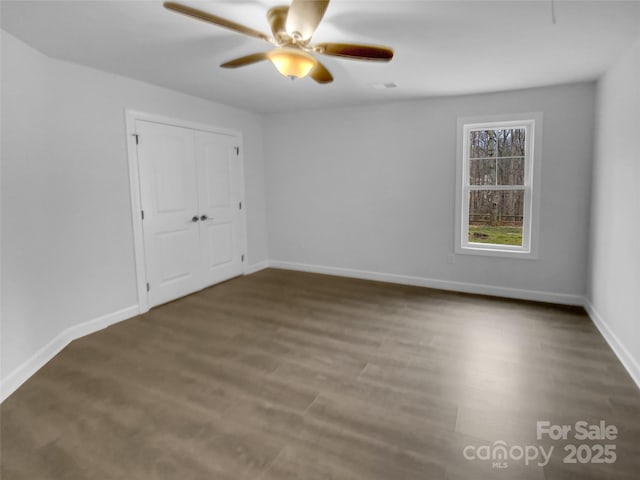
{"points": [[218, 196], [171, 224], [190, 193]]}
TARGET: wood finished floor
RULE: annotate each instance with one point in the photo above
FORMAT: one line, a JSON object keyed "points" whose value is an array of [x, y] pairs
{"points": [[283, 375]]}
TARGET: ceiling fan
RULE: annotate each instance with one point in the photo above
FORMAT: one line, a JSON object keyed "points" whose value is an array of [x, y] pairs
{"points": [[292, 28]]}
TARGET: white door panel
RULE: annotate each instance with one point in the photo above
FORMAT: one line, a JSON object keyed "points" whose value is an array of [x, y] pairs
{"points": [[216, 166], [174, 251], [218, 175], [167, 182], [218, 239]]}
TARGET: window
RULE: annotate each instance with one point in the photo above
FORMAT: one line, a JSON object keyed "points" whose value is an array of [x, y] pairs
{"points": [[497, 194]]}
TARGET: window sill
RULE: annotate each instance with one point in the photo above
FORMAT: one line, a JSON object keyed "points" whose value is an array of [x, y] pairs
{"points": [[497, 252]]}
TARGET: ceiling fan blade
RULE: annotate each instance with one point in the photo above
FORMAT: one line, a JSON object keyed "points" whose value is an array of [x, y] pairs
{"points": [[208, 17], [304, 17], [355, 51], [247, 60], [320, 74]]}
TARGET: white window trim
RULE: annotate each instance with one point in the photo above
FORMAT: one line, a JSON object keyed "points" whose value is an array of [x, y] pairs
{"points": [[530, 236]]}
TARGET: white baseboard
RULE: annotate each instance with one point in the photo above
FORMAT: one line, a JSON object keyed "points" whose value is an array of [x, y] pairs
{"points": [[535, 295], [628, 361], [256, 267], [22, 373]]}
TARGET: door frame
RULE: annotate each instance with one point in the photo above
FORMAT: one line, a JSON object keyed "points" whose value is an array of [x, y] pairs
{"points": [[131, 116]]}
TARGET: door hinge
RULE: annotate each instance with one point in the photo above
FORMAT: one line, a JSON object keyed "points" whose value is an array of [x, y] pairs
{"points": [[148, 288], [142, 212], [242, 258], [237, 150], [137, 138], [240, 206]]}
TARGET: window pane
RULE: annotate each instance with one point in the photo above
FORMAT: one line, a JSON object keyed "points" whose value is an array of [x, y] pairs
{"points": [[482, 143], [482, 171], [510, 142], [495, 216], [510, 171]]}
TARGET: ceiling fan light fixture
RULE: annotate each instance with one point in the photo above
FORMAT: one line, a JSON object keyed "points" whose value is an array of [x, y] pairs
{"points": [[292, 28], [292, 62]]}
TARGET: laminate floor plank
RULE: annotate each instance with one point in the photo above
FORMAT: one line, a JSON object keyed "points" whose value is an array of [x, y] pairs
{"points": [[294, 376]]}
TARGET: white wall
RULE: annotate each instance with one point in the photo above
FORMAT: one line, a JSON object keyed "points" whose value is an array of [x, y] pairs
{"points": [[614, 281], [67, 241], [372, 189]]}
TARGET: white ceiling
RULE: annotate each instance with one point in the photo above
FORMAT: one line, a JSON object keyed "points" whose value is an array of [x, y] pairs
{"points": [[441, 47]]}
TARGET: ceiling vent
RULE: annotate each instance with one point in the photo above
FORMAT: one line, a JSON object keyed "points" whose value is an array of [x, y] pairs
{"points": [[383, 86]]}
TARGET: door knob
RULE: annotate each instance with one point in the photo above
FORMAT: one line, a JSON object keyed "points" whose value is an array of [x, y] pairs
{"points": [[203, 217], [194, 218]]}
